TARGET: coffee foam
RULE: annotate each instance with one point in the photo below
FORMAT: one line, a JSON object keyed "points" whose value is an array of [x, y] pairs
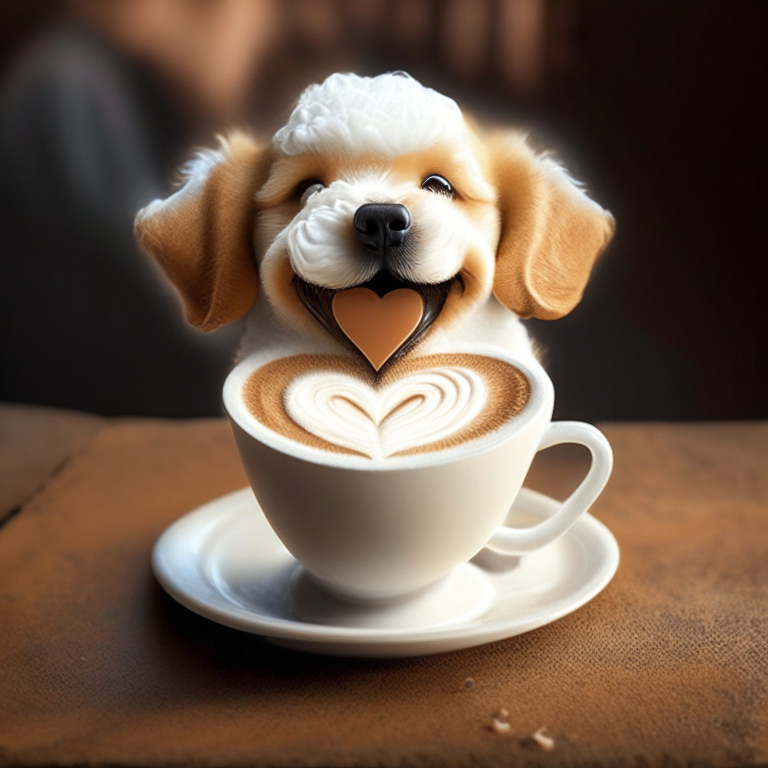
{"points": [[419, 405], [421, 408]]}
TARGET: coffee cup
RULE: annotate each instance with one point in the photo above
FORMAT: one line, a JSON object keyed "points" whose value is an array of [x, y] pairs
{"points": [[376, 531]]}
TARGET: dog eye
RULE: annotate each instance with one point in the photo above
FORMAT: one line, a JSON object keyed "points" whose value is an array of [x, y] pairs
{"points": [[435, 183], [306, 189]]}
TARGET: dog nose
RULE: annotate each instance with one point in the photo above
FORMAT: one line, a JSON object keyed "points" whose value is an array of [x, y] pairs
{"points": [[381, 227]]}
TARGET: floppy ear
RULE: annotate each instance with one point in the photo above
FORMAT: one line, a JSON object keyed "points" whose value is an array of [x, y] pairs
{"points": [[551, 232], [202, 236]]}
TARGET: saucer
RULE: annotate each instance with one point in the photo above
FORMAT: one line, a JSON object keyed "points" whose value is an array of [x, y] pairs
{"points": [[224, 562]]}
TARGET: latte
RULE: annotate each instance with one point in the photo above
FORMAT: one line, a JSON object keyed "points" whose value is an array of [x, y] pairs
{"points": [[418, 405]]}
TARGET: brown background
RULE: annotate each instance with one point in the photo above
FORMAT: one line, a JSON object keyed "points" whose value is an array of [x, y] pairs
{"points": [[656, 105]]}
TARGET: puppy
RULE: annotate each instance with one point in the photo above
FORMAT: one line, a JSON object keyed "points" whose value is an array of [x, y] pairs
{"points": [[383, 183]]}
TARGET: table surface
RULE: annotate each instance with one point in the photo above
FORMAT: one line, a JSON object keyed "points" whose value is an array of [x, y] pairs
{"points": [[667, 666]]}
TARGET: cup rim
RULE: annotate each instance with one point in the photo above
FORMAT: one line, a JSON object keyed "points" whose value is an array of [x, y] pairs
{"points": [[542, 394]]}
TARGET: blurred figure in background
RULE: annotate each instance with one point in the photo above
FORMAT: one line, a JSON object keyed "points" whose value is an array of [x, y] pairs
{"points": [[94, 118], [644, 102], [99, 112]]}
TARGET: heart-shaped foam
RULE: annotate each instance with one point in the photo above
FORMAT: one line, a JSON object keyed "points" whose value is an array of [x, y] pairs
{"points": [[378, 327], [419, 409]]}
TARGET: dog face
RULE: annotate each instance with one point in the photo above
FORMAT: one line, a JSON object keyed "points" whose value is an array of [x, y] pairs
{"points": [[378, 182]]}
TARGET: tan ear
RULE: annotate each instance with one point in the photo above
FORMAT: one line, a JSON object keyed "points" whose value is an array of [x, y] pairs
{"points": [[551, 232], [202, 236]]}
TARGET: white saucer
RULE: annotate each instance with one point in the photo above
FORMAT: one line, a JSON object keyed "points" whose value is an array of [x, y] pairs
{"points": [[224, 562]]}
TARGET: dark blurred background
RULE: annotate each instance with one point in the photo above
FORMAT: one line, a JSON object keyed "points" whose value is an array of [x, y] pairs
{"points": [[657, 106]]}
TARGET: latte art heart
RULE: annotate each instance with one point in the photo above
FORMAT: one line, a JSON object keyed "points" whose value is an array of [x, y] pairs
{"points": [[419, 409]]}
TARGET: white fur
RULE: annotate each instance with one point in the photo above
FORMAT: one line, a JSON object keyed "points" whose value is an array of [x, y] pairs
{"points": [[319, 239], [388, 115], [443, 237], [198, 168]]}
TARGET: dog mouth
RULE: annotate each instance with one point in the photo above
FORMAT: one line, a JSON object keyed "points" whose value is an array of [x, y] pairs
{"points": [[319, 301]]}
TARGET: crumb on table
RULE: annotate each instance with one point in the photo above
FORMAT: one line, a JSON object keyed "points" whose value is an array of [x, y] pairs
{"points": [[499, 723], [547, 743]]}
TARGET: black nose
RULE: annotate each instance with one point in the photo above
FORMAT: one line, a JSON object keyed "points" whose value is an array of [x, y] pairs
{"points": [[381, 227]]}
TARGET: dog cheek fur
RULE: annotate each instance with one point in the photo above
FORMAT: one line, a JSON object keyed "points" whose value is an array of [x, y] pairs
{"points": [[321, 242], [479, 226], [275, 272], [443, 236]]}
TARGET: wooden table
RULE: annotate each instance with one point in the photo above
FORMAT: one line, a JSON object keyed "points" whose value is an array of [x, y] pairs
{"points": [[668, 666]]}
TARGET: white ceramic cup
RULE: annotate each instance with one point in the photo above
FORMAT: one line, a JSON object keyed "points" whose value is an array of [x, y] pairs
{"points": [[372, 531]]}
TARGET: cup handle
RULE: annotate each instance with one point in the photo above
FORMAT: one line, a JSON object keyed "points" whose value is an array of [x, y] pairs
{"points": [[520, 541]]}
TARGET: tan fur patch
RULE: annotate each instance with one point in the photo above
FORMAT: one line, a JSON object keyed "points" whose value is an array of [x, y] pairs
{"points": [[201, 236], [551, 235]]}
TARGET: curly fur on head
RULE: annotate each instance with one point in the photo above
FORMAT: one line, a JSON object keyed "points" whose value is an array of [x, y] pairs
{"points": [[389, 115]]}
